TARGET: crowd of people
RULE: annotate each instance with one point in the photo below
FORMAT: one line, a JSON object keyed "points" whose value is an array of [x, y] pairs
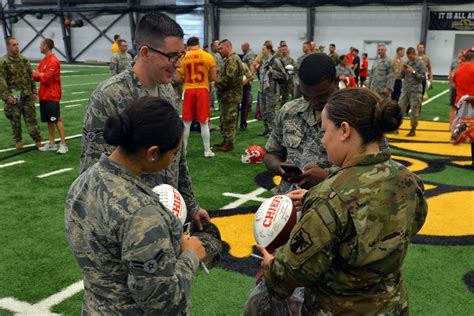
{"points": [[359, 207]]}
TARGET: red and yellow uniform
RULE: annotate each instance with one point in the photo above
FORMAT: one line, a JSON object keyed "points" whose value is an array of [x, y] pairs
{"points": [[195, 69]]}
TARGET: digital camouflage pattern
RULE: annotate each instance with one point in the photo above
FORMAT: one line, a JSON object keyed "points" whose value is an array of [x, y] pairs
{"points": [[412, 90], [381, 76], [127, 245], [16, 80], [296, 138], [249, 57], [111, 97], [348, 248], [345, 71], [229, 93], [268, 93], [119, 63], [286, 86]]}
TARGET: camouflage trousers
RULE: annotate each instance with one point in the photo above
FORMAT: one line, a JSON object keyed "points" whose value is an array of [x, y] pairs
{"points": [[260, 302], [412, 99], [267, 105], [13, 113], [228, 116], [285, 87]]}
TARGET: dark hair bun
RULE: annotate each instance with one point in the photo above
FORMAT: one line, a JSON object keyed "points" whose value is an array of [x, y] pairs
{"points": [[387, 116], [117, 130]]}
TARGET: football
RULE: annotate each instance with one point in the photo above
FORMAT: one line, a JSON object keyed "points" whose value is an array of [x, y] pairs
{"points": [[172, 200], [273, 222]]}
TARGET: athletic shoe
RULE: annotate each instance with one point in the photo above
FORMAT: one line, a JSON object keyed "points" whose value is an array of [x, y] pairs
{"points": [[48, 147], [62, 149], [209, 154]]}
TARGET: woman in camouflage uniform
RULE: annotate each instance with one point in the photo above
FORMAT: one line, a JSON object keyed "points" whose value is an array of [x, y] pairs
{"points": [[348, 248], [130, 248]]}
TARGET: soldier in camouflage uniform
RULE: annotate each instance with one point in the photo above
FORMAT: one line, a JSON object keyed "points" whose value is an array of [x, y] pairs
{"points": [[120, 60], [333, 54], [218, 58], [248, 54], [397, 70], [299, 60], [348, 248], [296, 137], [269, 71], [18, 91], [130, 248], [150, 75], [414, 71], [285, 85], [381, 78], [229, 93]]}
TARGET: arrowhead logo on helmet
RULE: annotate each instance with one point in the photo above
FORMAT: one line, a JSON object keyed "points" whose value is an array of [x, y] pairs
{"points": [[253, 154], [172, 200], [273, 222]]}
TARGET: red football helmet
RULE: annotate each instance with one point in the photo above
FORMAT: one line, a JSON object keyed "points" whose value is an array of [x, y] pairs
{"points": [[253, 154]]}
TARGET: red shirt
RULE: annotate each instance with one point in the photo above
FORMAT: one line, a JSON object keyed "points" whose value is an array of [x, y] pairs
{"points": [[350, 59], [464, 80], [364, 72], [50, 82]]}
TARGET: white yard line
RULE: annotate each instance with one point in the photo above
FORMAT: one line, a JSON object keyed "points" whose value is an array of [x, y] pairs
{"points": [[43, 307], [78, 92], [435, 97], [81, 84], [12, 163], [244, 198], [32, 145], [52, 173], [72, 105], [436, 118]]}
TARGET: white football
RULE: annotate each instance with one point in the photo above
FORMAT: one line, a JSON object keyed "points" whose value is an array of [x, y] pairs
{"points": [[273, 223], [172, 200]]}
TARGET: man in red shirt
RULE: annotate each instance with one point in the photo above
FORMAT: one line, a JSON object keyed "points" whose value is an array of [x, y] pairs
{"points": [[198, 69], [464, 81], [48, 75]]}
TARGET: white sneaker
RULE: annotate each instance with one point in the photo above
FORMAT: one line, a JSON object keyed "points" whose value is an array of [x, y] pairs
{"points": [[62, 149], [209, 154], [48, 147]]}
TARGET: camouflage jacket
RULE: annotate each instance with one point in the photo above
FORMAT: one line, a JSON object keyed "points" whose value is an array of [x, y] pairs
{"points": [[127, 245], [119, 63], [111, 97], [335, 57], [381, 75], [283, 62], [412, 82], [16, 74], [345, 71], [217, 58], [229, 83], [296, 137], [348, 248], [299, 60], [397, 67], [249, 57]]}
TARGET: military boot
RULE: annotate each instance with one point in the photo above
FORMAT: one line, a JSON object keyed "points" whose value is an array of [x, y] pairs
{"points": [[19, 145], [412, 132], [227, 147]]}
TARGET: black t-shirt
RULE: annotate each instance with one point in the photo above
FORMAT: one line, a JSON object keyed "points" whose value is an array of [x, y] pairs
{"points": [[356, 62]]}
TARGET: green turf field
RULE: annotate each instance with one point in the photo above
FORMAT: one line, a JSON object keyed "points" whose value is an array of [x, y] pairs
{"points": [[36, 263]]}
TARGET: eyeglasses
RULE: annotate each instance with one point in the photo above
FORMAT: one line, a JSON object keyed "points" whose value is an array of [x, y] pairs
{"points": [[172, 58]]}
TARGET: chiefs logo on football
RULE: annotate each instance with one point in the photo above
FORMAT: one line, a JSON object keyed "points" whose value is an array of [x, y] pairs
{"points": [[270, 215]]}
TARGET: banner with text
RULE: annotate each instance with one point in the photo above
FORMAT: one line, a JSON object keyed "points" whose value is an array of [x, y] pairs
{"points": [[452, 21]]}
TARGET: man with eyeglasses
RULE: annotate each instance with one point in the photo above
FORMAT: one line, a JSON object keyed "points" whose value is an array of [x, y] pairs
{"points": [[160, 47], [296, 137]]}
